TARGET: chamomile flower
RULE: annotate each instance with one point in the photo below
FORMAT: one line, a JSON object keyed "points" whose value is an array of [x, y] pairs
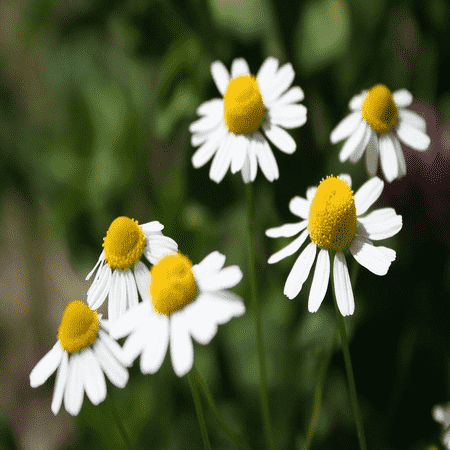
{"points": [[379, 119], [83, 353], [180, 301], [331, 218], [119, 265], [230, 126]]}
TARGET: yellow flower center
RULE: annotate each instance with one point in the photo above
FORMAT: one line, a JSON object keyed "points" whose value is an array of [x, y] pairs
{"points": [[124, 243], [79, 327], [379, 109], [243, 107], [172, 284], [332, 215]]}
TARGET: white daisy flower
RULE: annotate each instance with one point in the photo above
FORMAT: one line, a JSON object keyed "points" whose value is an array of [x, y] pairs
{"points": [[229, 127], [180, 301], [332, 220], [379, 119], [83, 353], [442, 415], [123, 246]]}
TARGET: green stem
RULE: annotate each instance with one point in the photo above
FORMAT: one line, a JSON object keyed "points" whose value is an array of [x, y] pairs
{"points": [[198, 409], [319, 389], [207, 393], [119, 424], [257, 316], [348, 367]]}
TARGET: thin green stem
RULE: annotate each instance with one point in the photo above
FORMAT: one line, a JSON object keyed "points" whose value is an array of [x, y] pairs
{"points": [[319, 390], [257, 316], [199, 410], [122, 431], [348, 367], [207, 393]]}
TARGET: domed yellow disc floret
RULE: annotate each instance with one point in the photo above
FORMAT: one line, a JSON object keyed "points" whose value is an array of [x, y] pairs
{"points": [[172, 284], [332, 215], [79, 327], [243, 107], [124, 243], [379, 109]]}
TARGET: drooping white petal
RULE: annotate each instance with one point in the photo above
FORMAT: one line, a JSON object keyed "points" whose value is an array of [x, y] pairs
{"points": [[73, 394], [205, 123], [356, 155], [372, 154], [368, 194], [289, 250], [207, 150], [222, 159], [117, 374], [388, 157], [239, 66], [288, 116], [266, 74], [293, 95], [239, 149], [132, 293], [320, 281], [342, 285], [220, 76], [227, 278], [99, 261], [209, 265], [252, 160], [299, 206], [117, 295], [279, 137], [346, 127], [153, 354], [130, 321], [142, 277], [94, 380], [158, 245], [211, 107], [413, 118], [300, 271], [412, 137], [46, 366], [200, 138], [283, 80], [380, 224], [402, 98], [137, 341], [400, 157], [375, 259], [265, 157], [181, 347], [357, 101], [354, 142], [60, 383], [286, 230], [97, 293], [112, 346]]}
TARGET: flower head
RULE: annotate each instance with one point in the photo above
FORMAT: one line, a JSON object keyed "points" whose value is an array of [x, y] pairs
{"points": [[83, 353], [181, 301], [230, 126], [120, 264], [332, 219], [379, 119]]}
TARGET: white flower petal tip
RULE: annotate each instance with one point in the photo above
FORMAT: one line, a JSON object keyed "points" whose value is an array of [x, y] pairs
{"points": [[412, 136], [375, 259], [368, 194], [342, 286], [380, 224], [46, 366]]}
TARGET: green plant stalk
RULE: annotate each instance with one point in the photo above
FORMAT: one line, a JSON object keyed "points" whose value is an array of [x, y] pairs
{"points": [[207, 393], [198, 409], [119, 424], [257, 316]]}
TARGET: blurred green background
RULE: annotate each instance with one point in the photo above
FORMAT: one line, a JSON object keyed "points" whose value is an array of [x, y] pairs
{"points": [[96, 100]]}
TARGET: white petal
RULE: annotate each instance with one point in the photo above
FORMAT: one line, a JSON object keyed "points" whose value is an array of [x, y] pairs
{"points": [[342, 285], [117, 295], [286, 230], [368, 194], [412, 136], [239, 66], [293, 95], [137, 341], [205, 123], [266, 74], [130, 321], [153, 355], [310, 193], [356, 155], [299, 206], [132, 293], [156, 246], [252, 160], [181, 348], [73, 394], [97, 293], [402, 98], [265, 157], [283, 80], [346, 127], [375, 259], [414, 119], [289, 250], [353, 143], [320, 281], [209, 265], [99, 261], [288, 116], [207, 150], [346, 177], [112, 346], [115, 371], [280, 138], [220, 76], [372, 154], [380, 224], [200, 138], [142, 277], [60, 383], [225, 279], [46, 366], [211, 107], [152, 227], [240, 145], [357, 101], [388, 157], [222, 159], [400, 157], [94, 380], [300, 271]]}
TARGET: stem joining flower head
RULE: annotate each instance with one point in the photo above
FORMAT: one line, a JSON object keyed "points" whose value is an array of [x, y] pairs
{"points": [[332, 215], [243, 107], [124, 243], [172, 285], [379, 109], [79, 327]]}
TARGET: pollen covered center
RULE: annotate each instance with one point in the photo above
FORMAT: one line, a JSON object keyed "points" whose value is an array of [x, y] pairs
{"points": [[332, 215], [124, 243], [172, 284], [379, 109], [79, 327], [243, 107]]}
